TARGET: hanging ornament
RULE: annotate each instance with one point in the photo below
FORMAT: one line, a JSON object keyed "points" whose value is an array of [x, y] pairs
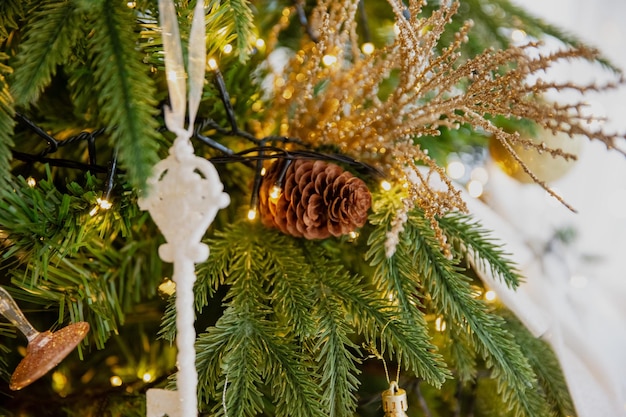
{"points": [[394, 401], [546, 167], [184, 195], [313, 199], [45, 350]]}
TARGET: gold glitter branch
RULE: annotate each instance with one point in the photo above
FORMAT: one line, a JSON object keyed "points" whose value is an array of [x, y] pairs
{"points": [[331, 94]]}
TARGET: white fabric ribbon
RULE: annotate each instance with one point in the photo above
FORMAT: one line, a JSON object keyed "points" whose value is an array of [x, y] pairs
{"points": [[184, 195]]}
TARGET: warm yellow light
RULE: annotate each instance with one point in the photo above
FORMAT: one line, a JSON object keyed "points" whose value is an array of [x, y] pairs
{"points": [[31, 182], [367, 48], [475, 188], [455, 169], [147, 377], [131, 4], [518, 35], [260, 43], [490, 295], [104, 204], [59, 381], [252, 214], [385, 185], [212, 63], [228, 48], [116, 381], [288, 93], [275, 192], [329, 60], [263, 171], [353, 235], [440, 324]]}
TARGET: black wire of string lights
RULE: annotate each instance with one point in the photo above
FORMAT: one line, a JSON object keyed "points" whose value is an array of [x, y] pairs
{"points": [[263, 149]]}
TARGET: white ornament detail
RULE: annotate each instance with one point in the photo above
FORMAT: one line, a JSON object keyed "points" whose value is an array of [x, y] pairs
{"points": [[184, 195]]}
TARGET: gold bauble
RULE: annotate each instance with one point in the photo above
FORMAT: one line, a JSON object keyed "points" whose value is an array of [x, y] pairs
{"points": [[546, 167]]}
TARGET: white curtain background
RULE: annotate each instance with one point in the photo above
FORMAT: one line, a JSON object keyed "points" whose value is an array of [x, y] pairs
{"points": [[575, 294]]}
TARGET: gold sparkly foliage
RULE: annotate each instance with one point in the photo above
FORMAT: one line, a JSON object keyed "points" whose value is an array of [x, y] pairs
{"points": [[331, 93]]}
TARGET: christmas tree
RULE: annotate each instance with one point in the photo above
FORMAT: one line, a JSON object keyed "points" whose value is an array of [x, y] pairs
{"points": [[343, 260]]}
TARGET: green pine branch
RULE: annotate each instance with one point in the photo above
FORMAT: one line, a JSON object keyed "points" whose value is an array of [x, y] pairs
{"points": [[228, 21], [6, 126], [125, 90], [62, 256], [450, 294], [51, 33], [546, 366], [11, 12], [476, 243]]}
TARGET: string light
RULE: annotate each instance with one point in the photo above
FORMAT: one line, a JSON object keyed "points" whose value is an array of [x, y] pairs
{"points": [[212, 64], [329, 60], [518, 35], [31, 182], [275, 192], [252, 214], [116, 381], [367, 48], [227, 49], [385, 185], [146, 377], [440, 324], [490, 295], [455, 170], [260, 43], [103, 204], [131, 4]]}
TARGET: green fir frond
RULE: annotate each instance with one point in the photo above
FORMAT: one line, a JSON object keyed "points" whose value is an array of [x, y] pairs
{"points": [[227, 21], [125, 90], [475, 242], [335, 358], [252, 345], [51, 33], [6, 128], [59, 254], [11, 12], [545, 364], [452, 296]]}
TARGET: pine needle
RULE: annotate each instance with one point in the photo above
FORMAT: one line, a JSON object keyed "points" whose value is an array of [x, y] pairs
{"points": [[125, 91]]}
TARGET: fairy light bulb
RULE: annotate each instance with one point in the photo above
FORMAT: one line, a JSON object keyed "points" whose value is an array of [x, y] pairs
{"points": [[31, 182], [329, 60], [212, 63], [102, 203], [227, 49], [368, 48], [252, 214], [385, 185], [455, 170], [260, 43], [440, 324], [490, 295], [116, 381], [275, 192]]}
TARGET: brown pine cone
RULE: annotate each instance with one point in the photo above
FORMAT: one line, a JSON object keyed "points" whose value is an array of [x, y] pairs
{"points": [[318, 199]]}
